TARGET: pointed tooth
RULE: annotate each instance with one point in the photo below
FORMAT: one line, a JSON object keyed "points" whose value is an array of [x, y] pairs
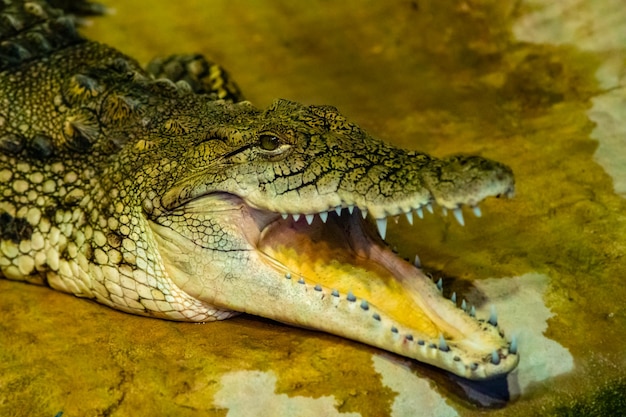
{"points": [[453, 298], [458, 215], [296, 217], [363, 213], [444, 211], [417, 262], [351, 208], [309, 218], [429, 207], [472, 311], [409, 217], [495, 358], [324, 216], [284, 216], [350, 297], [477, 211], [382, 227], [493, 317], [513, 346], [464, 305], [420, 212], [443, 346], [338, 210], [440, 284]]}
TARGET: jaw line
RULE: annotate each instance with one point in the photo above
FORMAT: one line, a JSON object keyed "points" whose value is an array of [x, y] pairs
{"points": [[453, 341]]}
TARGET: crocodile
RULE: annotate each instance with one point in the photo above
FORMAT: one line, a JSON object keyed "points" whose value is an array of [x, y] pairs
{"points": [[162, 192]]}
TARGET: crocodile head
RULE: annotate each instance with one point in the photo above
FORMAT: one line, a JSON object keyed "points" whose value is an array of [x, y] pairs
{"points": [[274, 213]]}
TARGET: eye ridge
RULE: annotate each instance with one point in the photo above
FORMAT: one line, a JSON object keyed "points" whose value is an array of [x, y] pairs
{"points": [[269, 142]]}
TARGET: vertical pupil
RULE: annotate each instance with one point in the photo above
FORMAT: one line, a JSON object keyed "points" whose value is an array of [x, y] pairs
{"points": [[269, 142]]}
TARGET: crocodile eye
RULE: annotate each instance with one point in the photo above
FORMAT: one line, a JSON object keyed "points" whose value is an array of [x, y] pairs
{"points": [[269, 142]]}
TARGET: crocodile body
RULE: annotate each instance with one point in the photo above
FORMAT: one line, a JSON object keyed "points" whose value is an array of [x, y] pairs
{"points": [[162, 193]]}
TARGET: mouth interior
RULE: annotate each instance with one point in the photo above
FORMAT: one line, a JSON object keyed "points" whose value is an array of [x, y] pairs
{"points": [[344, 254]]}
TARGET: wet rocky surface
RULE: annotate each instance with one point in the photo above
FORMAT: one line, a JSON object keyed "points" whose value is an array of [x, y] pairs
{"points": [[542, 96]]}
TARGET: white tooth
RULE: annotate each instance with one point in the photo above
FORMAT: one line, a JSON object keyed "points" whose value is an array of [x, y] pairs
{"points": [[458, 215], [295, 217], [420, 212], [382, 227], [409, 217], [443, 346], [513, 346], [338, 210], [309, 218], [429, 207], [477, 211], [417, 262], [444, 211], [351, 208], [364, 213], [324, 216], [284, 216]]}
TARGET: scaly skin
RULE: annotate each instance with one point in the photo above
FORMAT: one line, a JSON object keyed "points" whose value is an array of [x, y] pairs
{"points": [[182, 202]]}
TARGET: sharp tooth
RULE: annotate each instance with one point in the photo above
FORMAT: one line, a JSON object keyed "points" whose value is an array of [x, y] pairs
{"points": [[493, 317], [351, 208], [429, 207], [309, 218], [472, 311], [284, 216], [477, 211], [324, 216], [382, 227], [409, 217], [495, 358], [513, 346], [364, 213], [440, 284], [295, 217], [458, 215], [338, 210], [444, 211], [420, 212], [464, 305], [443, 346], [417, 262], [453, 298]]}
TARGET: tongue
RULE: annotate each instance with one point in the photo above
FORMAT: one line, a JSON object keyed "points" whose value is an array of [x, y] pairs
{"points": [[325, 254]]}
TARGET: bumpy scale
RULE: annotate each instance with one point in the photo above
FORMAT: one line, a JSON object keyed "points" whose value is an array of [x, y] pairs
{"points": [[173, 198]]}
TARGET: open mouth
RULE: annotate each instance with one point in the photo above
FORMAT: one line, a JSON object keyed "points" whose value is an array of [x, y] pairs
{"points": [[333, 272], [342, 256]]}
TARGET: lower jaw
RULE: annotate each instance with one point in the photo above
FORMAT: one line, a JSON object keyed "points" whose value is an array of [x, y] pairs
{"points": [[393, 305]]}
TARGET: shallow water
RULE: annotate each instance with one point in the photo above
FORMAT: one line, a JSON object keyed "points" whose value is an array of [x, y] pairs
{"points": [[541, 89]]}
